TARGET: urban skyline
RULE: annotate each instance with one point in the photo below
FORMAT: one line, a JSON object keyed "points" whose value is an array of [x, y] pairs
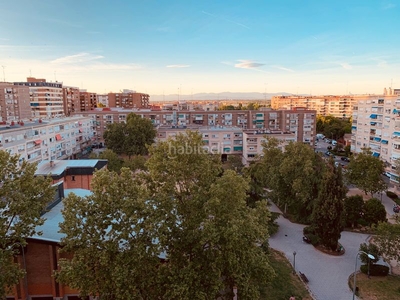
{"points": [[184, 48]]}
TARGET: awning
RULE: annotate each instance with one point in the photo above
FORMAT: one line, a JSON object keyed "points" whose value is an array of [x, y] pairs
{"points": [[377, 139], [376, 154], [38, 142], [395, 111], [384, 142], [373, 116], [396, 133], [373, 123], [58, 137]]}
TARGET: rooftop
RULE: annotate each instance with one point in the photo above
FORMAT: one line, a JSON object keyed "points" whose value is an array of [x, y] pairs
{"points": [[57, 167]]}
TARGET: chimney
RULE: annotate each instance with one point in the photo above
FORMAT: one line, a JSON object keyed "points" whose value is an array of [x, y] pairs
{"points": [[51, 163]]}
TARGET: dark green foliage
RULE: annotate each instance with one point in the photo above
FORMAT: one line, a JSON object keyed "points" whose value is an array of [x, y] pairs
{"points": [[374, 211], [371, 249], [315, 240], [391, 195], [333, 128], [272, 224], [132, 137], [114, 161], [353, 210], [328, 208], [375, 270]]}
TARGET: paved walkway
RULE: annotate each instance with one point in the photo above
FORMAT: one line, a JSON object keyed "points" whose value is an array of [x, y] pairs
{"points": [[328, 275]]}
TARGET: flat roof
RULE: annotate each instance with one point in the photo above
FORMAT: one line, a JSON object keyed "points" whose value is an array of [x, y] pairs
{"points": [[59, 166], [50, 228]]}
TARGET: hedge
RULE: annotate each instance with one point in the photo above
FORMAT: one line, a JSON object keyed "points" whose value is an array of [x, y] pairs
{"points": [[375, 270], [391, 195]]}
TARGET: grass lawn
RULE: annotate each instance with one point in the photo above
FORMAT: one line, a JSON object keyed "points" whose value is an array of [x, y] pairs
{"points": [[377, 288], [285, 284]]}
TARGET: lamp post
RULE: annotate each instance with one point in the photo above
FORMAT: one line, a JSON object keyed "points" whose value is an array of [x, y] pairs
{"points": [[370, 256], [294, 262]]}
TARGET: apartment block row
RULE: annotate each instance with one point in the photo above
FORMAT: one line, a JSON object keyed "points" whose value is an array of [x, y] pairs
{"points": [[36, 98], [337, 106], [299, 122], [376, 125], [63, 138]]}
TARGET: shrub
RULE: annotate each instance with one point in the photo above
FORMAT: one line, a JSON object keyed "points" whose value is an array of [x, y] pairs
{"points": [[391, 195], [362, 222], [309, 230], [374, 211], [375, 270], [315, 240]]}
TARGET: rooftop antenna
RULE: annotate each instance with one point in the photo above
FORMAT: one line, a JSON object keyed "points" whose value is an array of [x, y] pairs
{"points": [[55, 77], [4, 74], [30, 73]]}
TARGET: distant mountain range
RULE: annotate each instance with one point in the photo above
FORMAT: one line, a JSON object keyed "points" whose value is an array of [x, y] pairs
{"points": [[217, 96]]}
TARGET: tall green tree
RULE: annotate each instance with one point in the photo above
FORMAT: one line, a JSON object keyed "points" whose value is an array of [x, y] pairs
{"points": [[353, 210], [328, 209], [23, 197], [182, 209], [388, 240], [114, 161], [132, 137], [374, 211], [371, 249], [111, 235], [365, 172]]}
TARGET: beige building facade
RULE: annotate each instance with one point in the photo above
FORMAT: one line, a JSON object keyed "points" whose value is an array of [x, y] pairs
{"points": [[14, 103]]}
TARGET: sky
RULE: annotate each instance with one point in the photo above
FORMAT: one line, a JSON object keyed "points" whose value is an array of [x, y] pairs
{"points": [[187, 47]]}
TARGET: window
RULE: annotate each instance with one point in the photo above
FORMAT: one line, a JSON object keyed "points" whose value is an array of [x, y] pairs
{"points": [[72, 178]]}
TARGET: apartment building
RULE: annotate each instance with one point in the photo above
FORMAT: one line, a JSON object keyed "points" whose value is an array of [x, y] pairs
{"points": [[61, 138], [88, 101], [102, 100], [253, 141], [71, 100], [128, 99], [376, 125], [14, 103], [298, 121], [46, 98], [337, 106]]}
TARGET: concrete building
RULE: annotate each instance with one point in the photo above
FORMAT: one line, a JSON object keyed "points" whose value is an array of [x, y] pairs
{"points": [[376, 125], [14, 103], [71, 100], [337, 106], [298, 121], [88, 101], [128, 99], [46, 98], [102, 100], [54, 139]]}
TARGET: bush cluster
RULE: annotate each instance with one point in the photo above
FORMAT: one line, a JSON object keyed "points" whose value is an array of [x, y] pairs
{"points": [[375, 270], [391, 195]]}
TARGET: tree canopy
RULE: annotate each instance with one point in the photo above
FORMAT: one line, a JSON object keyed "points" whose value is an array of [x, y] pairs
{"points": [[374, 211], [388, 240], [23, 197], [365, 172], [180, 230], [333, 128], [132, 137]]}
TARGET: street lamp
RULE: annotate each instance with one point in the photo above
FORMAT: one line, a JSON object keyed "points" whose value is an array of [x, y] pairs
{"points": [[294, 262], [370, 256]]}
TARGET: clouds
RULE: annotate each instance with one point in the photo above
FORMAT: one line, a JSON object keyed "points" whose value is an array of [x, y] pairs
{"points": [[224, 19], [346, 66], [248, 64], [283, 69], [177, 66], [76, 58]]}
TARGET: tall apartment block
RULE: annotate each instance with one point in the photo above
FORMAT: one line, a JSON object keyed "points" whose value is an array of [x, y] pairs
{"points": [[299, 122], [128, 99], [60, 138], [88, 101], [102, 100], [14, 103], [46, 98], [337, 106], [71, 100], [376, 125]]}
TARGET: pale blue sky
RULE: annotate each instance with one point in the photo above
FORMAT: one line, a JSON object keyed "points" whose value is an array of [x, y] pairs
{"points": [[318, 47]]}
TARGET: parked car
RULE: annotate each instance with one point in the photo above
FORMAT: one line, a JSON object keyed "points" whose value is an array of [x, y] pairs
{"points": [[387, 174], [307, 240], [344, 158], [327, 153]]}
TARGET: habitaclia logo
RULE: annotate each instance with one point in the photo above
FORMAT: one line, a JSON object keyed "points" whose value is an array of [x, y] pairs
{"points": [[174, 151]]}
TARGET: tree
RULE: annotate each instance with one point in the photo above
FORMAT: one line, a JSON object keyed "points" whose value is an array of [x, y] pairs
{"points": [[137, 162], [23, 197], [132, 137], [374, 211], [370, 249], [353, 210], [235, 162], [388, 240], [328, 209], [365, 172], [111, 234], [114, 161], [181, 209]]}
